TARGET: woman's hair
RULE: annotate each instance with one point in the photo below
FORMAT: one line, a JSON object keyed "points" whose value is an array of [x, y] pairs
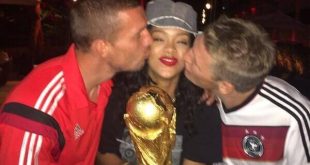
{"points": [[187, 94]]}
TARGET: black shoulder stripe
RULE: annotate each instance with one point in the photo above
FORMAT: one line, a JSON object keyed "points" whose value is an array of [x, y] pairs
{"points": [[298, 119], [289, 102], [35, 115], [290, 97]]}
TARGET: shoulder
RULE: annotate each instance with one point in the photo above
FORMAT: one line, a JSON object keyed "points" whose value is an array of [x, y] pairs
{"points": [[282, 93], [43, 78], [274, 85]]}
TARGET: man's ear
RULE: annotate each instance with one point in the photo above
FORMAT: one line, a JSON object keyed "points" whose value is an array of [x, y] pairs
{"points": [[225, 87], [100, 47]]}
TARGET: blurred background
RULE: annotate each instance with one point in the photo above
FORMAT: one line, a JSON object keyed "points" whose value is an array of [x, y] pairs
{"points": [[32, 31]]}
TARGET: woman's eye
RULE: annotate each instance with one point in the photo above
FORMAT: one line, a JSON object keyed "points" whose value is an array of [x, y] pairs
{"points": [[183, 42], [157, 39]]}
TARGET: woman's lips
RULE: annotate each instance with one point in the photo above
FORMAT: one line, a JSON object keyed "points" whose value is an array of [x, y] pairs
{"points": [[169, 61]]}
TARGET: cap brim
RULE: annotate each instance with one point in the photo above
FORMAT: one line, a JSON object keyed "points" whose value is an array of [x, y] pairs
{"points": [[172, 23]]}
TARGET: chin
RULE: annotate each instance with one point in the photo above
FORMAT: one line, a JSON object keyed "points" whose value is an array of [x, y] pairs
{"points": [[136, 68], [170, 76]]}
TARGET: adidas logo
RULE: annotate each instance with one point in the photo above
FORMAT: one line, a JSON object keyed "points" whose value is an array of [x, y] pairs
{"points": [[78, 131]]}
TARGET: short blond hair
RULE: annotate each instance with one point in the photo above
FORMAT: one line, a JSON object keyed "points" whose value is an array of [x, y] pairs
{"points": [[243, 53]]}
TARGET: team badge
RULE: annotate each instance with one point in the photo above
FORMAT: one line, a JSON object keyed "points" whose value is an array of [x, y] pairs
{"points": [[253, 146]]}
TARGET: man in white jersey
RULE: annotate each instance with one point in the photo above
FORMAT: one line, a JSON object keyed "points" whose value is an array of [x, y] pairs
{"points": [[264, 119]]}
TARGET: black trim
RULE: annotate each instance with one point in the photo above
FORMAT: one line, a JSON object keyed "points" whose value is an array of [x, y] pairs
{"points": [[290, 97], [245, 102], [299, 121], [35, 115], [289, 103]]}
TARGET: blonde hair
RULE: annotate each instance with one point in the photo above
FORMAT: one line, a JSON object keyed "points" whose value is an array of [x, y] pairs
{"points": [[243, 53]]}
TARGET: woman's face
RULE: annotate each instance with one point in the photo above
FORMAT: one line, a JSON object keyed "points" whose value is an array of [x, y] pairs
{"points": [[167, 52]]}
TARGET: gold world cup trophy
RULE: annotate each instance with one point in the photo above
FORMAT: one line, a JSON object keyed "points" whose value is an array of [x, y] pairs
{"points": [[150, 117]]}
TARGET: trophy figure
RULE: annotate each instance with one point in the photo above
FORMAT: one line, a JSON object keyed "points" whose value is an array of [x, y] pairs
{"points": [[150, 117]]}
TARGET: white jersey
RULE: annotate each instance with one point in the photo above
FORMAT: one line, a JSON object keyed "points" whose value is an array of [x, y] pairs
{"points": [[271, 127]]}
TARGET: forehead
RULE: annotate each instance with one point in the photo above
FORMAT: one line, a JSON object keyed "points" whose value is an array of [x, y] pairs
{"points": [[133, 13], [132, 19], [168, 30]]}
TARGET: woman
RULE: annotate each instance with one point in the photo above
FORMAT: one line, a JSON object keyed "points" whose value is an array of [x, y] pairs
{"points": [[197, 126]]}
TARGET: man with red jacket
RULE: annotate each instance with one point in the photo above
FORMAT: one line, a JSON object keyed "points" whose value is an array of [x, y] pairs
{"points": [[54, 115]]}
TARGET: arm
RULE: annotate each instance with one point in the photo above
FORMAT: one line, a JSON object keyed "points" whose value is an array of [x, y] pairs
{"points": [[28, 135], [205, 145], [12, 151], [189, 162], [208, 97], [108, 159], [112, 131], [295, 148]]}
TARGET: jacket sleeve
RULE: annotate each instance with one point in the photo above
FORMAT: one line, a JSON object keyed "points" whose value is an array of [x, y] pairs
{"points": [[296, 151], [22, 147], [28, 135]]}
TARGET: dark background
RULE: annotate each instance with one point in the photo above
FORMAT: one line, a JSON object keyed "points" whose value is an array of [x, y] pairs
{"points": [[17, 21], [286, 21]]}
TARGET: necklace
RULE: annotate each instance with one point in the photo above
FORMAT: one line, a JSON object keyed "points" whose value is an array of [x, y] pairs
{"points": [[173, 99]]}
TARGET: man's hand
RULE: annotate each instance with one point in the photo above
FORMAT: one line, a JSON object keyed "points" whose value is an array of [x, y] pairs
{"points": [[208, 97]]}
